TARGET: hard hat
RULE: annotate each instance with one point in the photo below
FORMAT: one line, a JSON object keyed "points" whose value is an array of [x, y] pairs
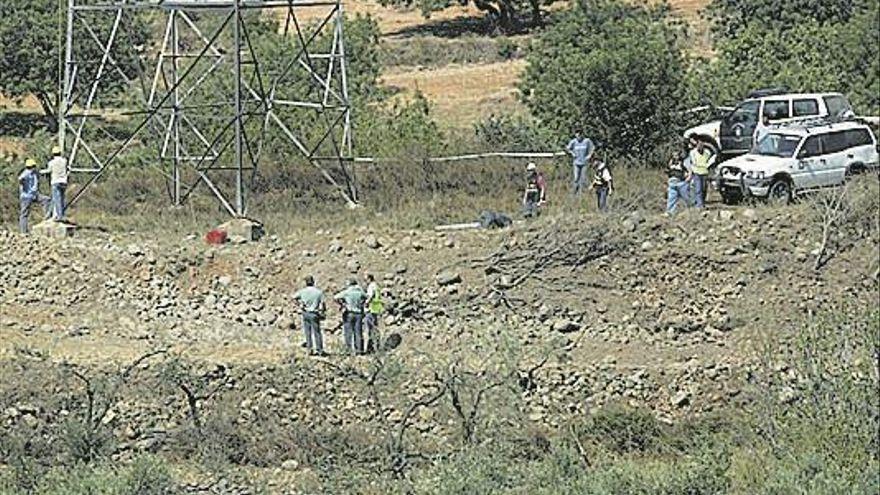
{"points": [[531, 166], [56, 150], [30, 162]]}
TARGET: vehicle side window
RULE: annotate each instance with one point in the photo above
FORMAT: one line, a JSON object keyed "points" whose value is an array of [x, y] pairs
{"points": [[811, 148], [746, 113], [776, 109], [858, 137], [805, 108], [837, 105], [834, 142]]}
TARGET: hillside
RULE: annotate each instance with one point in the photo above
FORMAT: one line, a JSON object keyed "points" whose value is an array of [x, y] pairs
{"points": [[586, 313]]}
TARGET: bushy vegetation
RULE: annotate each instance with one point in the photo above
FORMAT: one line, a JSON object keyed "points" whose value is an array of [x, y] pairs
{"points": [[613, 68], [803, 45], [815, 437]]}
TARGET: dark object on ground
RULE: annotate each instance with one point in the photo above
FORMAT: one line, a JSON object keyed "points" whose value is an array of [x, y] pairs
{"points": [[494, 220], [392, 342]]}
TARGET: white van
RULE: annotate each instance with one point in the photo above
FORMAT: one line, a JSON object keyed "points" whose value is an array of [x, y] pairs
{"points": [[797, 158]]}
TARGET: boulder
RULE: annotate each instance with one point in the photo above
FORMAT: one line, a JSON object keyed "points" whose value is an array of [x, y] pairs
{"points": [[447, 277], [53, 229], [242, 230]]}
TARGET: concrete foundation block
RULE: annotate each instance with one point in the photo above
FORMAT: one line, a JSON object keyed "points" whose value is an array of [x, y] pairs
{"points": [[53, 229], [242, 230]]}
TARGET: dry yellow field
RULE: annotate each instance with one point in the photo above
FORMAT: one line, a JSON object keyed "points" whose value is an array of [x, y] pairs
{"points": [[462, 95]]}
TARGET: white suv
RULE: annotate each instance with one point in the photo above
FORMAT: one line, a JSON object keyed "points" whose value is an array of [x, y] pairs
{"points": [[797, 158], [733, 134]]}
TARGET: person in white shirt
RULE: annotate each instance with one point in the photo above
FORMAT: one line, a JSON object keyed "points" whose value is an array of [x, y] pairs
{"points": [[57, 170], [761, 130]]}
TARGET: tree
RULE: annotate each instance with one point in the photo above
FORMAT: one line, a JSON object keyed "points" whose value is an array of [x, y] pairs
{"points": [[729, 17], [811, 55], [32, 47], [503, 13], [616, 69]]}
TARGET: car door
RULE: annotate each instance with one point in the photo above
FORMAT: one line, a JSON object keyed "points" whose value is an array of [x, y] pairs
{"points": [[860, 150], [804, 176], [738, 127], [833, 160]]}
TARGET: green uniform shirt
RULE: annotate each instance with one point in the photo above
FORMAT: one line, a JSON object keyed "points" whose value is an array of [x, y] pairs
{"points": [[353, 297], [311, 299]]}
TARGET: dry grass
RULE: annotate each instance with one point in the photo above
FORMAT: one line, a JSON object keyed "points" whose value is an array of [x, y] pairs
{"points": [[464, 94], [390, 20]]}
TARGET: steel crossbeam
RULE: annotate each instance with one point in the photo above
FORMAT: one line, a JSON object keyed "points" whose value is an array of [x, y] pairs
{"points": [[205, 98]]}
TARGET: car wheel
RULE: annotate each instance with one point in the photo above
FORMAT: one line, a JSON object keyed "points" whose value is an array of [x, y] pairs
{"points": [[854, 170], [780, 191]]}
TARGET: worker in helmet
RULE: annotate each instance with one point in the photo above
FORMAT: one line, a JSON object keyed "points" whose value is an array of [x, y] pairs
{"points": [[29, 193], [535, 194], [57, 170]]}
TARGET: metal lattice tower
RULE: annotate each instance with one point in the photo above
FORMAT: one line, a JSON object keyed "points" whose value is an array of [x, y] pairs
{"points": [[209, 95]]}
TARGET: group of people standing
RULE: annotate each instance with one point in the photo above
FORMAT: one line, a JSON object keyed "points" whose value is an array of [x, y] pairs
{"points": [[29, 188], [585, 162], [360, 308], [688, 173]]}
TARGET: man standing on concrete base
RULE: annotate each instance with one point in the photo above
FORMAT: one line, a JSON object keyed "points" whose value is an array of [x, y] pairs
{"points": [[352, 301], [311, 301], [29, 193], [57, 170], [374, 309]]}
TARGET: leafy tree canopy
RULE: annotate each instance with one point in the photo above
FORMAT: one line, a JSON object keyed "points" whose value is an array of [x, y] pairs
{"points": [[614, 68], [503, 13], [32, 47], [730, 17], [810, 56]]}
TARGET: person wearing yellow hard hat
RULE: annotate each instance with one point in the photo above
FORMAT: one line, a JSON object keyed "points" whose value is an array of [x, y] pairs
{"points": [[29, 193], [57, 170]]}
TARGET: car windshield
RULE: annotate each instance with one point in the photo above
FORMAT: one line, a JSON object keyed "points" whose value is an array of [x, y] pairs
{"points": [[780, 145]]}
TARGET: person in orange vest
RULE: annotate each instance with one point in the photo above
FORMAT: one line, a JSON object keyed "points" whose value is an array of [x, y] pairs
{"points": [[602, 183]]}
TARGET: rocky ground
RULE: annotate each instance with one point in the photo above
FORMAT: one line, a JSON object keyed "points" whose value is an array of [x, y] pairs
{"points": [[659, 313]]}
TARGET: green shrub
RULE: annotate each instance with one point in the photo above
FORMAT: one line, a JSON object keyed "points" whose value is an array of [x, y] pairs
{"points": [[615, 69]]}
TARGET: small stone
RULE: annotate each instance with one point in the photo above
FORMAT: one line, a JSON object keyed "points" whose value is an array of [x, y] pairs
{"points": [[134, 250], [681, 399], [725, 215], [565, 326], [647, 245], [353, 266], [448, 278], [750, 213], [372, 242], [224, 280], [290, 465]]}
